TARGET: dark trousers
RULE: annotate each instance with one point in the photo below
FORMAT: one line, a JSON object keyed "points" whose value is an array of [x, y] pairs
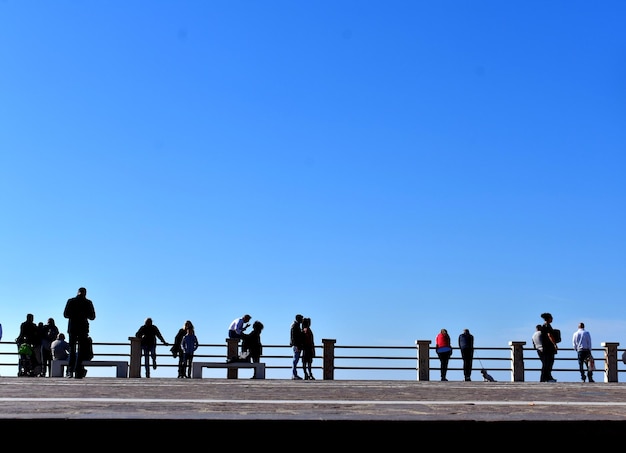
{"points": [[468, 359], [547, 363], [444, 358], [77, 343], [584, 356], [187, 364]]}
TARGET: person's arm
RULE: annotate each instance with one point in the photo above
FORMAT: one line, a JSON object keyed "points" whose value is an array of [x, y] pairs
{"points": [[551, 338], [158, 332]]}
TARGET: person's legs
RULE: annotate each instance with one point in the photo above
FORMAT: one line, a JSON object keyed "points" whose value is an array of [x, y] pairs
{"points": [[542, 376], [582, 355], [467, 364], [153, 355], [181, 365], [589, 360], [310, 368], [304, 368], [255, 359], [79, 370], [549, 364], [146, 359], [189, 363], [443, 359], [296, 359], [72, 360]]}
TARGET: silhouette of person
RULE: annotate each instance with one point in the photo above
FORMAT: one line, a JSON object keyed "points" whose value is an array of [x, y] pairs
{"points": [[582, 345], [30, 335], [79, 311], [466, 346], [444, 351], [549, 348], [177, 350], [49, 333], [252, 344], [296, 342], [148, 333], [308, 349], [189, 344]]}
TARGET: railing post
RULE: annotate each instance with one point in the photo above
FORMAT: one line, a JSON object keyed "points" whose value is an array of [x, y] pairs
{"points": [[517, 360], [135, 357], [423, 360], [232, 350], [329, 359], [610, 361]]}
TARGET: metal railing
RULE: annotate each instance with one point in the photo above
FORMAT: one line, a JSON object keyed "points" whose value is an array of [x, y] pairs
{"points": [[373, 362]]}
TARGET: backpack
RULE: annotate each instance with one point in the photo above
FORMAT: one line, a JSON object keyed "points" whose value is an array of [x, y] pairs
{"points": [[556, 333], [25, 350], [88, 353]]}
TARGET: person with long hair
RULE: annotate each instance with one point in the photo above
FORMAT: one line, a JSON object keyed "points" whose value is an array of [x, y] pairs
{"points": [[444, 351]]}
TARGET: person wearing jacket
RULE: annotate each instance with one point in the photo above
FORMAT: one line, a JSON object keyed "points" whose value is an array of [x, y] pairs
{"points": [[148, 333], [466, 346], [444, 351], [79, 311]]}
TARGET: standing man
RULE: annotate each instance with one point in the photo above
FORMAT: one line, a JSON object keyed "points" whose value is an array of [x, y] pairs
{"points": [[548, 343], [79, 311], [582, 345], [466, 345], [297, 343]]}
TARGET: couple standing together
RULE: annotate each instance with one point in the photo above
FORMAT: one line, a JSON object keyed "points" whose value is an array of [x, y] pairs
{"points": [[303, 344]]}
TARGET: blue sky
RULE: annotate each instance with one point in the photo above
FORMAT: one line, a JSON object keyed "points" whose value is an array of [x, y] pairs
{"points": [[385, 168]]}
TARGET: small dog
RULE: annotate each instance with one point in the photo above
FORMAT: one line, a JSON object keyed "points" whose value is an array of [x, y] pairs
{"points": [[486, 376]]}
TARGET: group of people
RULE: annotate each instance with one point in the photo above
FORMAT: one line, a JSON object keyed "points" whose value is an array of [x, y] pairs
{"points": [[302, 342], [39, 344], [251, 346], [443, 348], [545, 340]]}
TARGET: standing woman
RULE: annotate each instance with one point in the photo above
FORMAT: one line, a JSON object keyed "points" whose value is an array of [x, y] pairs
{"points": [[252, 344], [444, 351], [189, 344], [177, 350], [548, 343], [308, 350]]}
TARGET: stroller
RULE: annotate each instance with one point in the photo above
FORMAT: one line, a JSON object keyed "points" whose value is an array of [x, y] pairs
{"points": [[26, 361]]}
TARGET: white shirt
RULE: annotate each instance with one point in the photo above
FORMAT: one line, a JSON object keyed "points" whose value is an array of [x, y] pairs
{"points": [[581, 340]]}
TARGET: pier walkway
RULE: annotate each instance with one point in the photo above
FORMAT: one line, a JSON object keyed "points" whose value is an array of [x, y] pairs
{"points": [[364, 409]]}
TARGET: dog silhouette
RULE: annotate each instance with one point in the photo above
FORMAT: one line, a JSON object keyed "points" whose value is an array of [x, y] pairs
{"points": [[486, 376]]}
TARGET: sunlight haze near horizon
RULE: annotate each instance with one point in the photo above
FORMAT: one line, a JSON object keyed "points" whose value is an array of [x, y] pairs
{"points": [[387, 169]]}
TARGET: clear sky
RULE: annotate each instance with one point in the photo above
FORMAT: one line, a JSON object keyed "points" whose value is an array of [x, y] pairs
{"points": [[385, 168]]}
